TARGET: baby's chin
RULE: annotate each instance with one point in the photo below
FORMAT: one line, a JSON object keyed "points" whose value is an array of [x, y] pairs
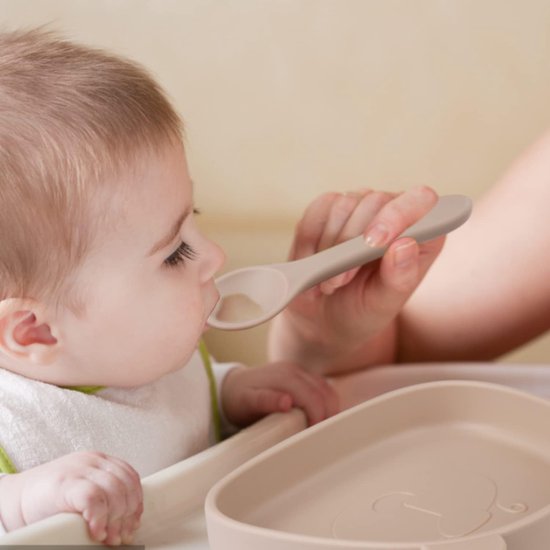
{"points": [[137, 380]]}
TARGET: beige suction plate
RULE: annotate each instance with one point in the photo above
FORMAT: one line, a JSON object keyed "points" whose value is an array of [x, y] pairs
{"points": [[442, 465]]}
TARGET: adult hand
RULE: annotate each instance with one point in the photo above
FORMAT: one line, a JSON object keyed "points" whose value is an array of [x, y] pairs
{"points": [[349, 320]]}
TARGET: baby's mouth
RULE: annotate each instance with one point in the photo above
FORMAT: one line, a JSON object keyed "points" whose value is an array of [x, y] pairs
{"points": [[211, 309]]}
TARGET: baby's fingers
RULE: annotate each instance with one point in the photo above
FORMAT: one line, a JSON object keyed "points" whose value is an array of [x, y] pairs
{"points": [[88, 499], [131, 524], [108, 495], [123, 487], [315, 396], [259, 402]]}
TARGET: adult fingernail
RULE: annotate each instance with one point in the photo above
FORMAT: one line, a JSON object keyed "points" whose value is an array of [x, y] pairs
{"points": [[405, 255], [337, 281], [377, 236], [327, 288]]}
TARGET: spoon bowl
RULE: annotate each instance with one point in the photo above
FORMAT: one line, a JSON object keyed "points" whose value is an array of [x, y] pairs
{"points": [[253, 295], [266, 287]]}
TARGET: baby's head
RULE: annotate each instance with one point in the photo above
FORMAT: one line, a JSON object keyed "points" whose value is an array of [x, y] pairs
{"points": [[101, 264]]}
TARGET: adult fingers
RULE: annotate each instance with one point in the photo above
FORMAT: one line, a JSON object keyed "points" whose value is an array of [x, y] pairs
{"points": [[391, 220], [310, 228], [364, 212], [401, 270], [406, 262], [429, 251], [399, 214], [338, 216]]}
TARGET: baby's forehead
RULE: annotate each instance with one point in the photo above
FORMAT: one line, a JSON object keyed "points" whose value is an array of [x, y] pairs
{"points": [[76, 142], [154, 190]]}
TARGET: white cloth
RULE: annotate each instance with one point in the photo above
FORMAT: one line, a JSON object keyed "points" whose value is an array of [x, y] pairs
{"points": [[150, 427]]}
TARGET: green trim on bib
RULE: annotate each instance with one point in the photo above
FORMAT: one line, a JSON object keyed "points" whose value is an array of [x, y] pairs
{"points": [[216, 415], [88, 390], [6, 465]]}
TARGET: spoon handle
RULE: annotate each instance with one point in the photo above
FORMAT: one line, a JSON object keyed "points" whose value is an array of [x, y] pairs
{"points": [[450, 212]]}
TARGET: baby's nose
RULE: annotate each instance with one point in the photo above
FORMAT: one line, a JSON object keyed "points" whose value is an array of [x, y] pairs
{"points": [[214, 260]]}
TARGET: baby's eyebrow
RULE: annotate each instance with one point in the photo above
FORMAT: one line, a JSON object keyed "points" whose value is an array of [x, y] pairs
{"points": [[174, 230]]}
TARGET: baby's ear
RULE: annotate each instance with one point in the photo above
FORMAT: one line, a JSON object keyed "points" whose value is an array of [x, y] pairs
{"points": [[25, 334]]}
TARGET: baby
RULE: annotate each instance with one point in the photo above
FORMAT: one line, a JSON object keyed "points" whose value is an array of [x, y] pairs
{"points": [[106, 284]]}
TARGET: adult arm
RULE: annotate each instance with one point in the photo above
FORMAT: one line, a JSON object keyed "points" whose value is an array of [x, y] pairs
{"points": [[489, 290]]}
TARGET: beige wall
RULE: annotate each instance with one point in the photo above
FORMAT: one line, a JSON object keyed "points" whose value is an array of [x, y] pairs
{"points": [[284, 99]]}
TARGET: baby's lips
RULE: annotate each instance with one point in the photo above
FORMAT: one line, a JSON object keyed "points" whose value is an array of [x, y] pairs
{"points": [[216, 300]]}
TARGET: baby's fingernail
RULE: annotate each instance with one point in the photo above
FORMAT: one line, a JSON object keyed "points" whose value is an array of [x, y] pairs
{"points": [[285, 403], [127, 537], [405, 255], [116, 540], [377, 236], [102, 535]]}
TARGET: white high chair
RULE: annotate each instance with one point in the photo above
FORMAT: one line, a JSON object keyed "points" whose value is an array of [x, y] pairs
{"points": [[174, 498]]}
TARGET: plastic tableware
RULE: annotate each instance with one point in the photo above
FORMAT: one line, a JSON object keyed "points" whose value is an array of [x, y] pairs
{"points": [[441, 465], [253, 295]]}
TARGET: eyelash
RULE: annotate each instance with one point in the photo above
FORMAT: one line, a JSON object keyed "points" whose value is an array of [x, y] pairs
{"points": [[182, 253]]}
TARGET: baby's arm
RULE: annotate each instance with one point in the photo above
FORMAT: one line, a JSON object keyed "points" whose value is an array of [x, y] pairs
{"points": [[249, 393], [104, 490], [351, 321]]}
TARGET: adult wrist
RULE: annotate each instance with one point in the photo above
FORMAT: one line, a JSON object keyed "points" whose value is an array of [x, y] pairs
{"points": [[307, 345], [345, 353]]}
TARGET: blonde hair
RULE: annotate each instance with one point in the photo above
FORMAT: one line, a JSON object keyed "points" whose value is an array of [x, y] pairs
{"points": [[71, 117]]}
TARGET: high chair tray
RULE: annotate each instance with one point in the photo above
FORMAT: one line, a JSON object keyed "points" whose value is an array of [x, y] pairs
{"points": [[441, 465], [173, 517]]}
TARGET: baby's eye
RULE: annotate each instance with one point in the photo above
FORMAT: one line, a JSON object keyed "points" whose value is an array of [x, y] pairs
{"points": [[182, 253]]}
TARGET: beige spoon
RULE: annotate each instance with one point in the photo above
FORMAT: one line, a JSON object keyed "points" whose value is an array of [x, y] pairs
{"points": [[252, 295]]}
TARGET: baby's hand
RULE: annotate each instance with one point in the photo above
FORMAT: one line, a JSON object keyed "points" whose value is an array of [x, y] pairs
{"points": [[249, 393], [106, 491]]}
